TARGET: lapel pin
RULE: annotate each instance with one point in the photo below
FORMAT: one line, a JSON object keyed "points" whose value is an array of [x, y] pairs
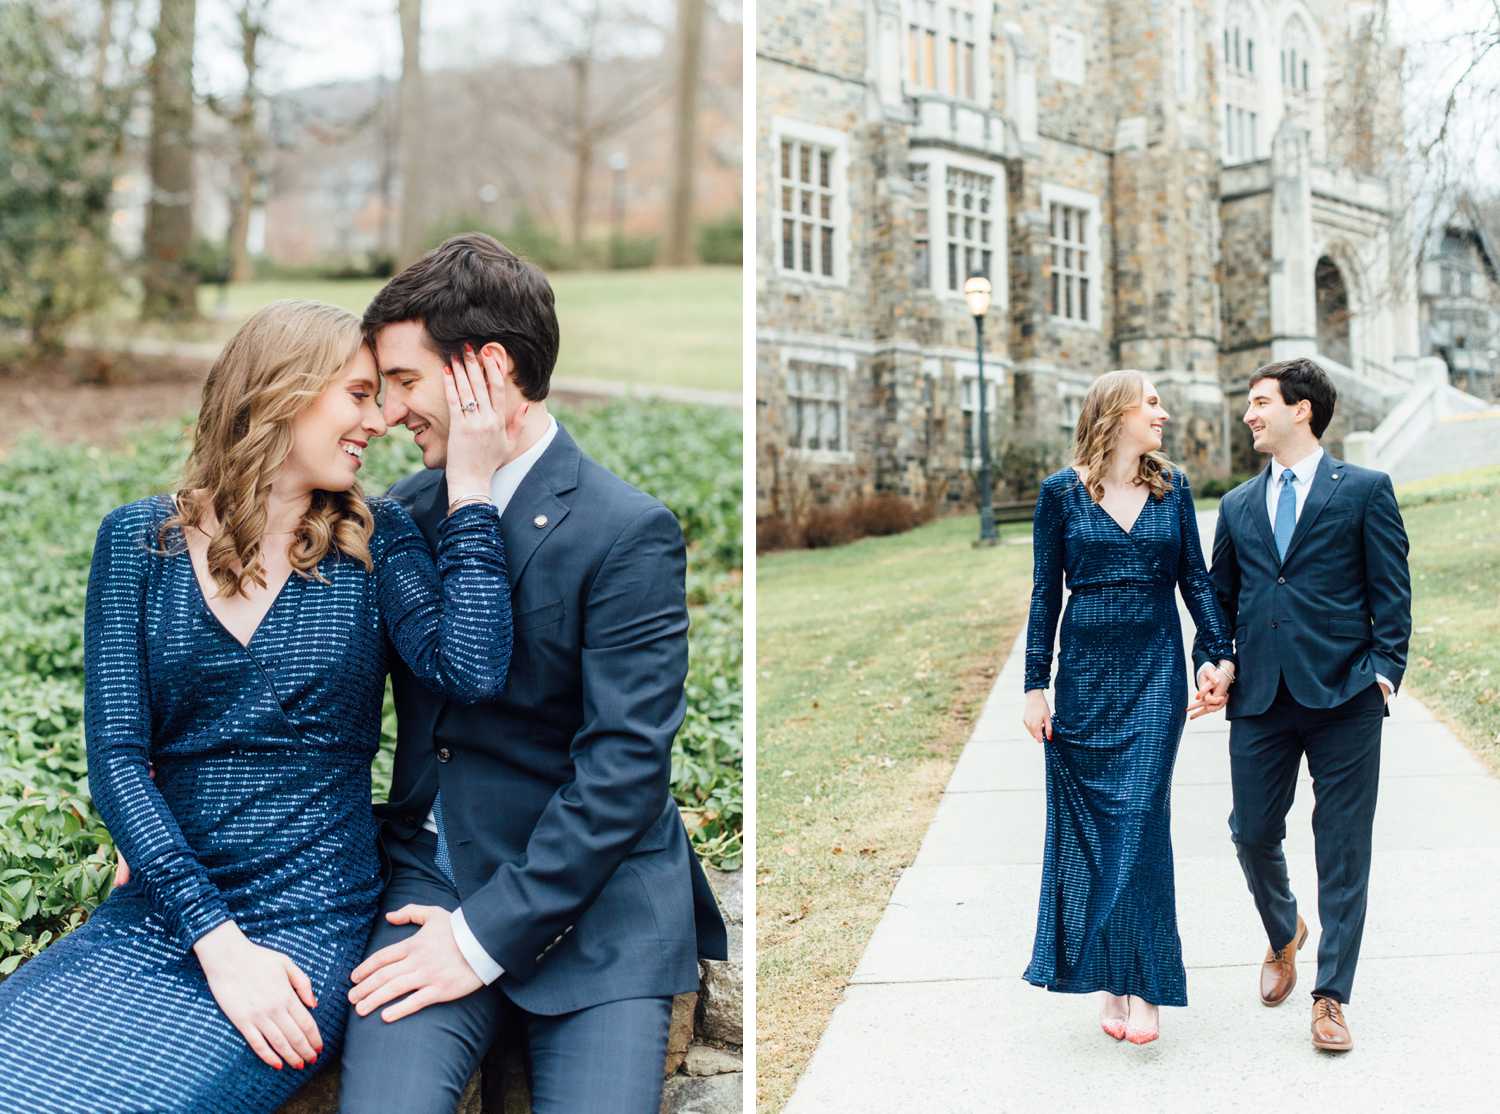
{"points": [[539, 521]]}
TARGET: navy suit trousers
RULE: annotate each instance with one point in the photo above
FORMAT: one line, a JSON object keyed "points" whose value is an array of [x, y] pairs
{"points": [[606, 1059], [1342, 745]]}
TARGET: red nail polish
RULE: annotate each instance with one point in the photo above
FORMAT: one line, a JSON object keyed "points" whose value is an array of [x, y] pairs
{"points": [[276, 1066]]}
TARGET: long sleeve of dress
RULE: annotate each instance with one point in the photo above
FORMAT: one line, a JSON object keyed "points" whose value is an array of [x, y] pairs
{"points": [[117, 727], [450, 622], [1214, 639], [1047, 527]]}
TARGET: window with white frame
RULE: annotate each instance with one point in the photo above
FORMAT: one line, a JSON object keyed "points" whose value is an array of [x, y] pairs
{"points": [[1240, 84], [1296, 58], [1071, 236], [811, 201], [815, 405], [1187, 49], [968, 401], [958, 222], [921, 228], [1241, 129], [1070, 397], [942, 48], [970, 198]]}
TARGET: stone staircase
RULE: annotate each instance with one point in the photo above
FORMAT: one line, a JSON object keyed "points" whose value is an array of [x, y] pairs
{"points": [[1432, 429]]}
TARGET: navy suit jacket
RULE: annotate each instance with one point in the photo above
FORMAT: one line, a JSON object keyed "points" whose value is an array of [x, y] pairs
{"points": [[570, 855], [1330, 616]]}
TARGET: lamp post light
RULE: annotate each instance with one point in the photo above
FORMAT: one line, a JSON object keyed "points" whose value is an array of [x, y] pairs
{"points": [[977, 293], [618, 164]]}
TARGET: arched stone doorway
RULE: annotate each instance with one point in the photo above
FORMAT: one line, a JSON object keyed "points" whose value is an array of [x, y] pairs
{"points": [[1333, 312]]}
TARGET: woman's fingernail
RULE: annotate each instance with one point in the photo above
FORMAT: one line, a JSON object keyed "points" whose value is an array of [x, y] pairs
{"points": [[276, 1066]]}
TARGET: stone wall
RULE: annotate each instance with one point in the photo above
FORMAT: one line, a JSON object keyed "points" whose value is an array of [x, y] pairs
{"points": [[1108, 104]]}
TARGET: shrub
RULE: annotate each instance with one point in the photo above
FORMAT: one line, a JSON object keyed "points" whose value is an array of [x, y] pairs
{"points": [[1212, 488], [56, 857], [524, 237], [821, 526], [722, 241], [57, 162], [626, 253]]}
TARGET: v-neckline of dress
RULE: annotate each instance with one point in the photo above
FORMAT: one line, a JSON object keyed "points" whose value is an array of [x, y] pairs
{"points": [[265, 615], [1129, 533]]}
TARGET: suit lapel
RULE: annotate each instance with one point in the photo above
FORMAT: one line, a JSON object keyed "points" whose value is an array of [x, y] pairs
{"points": [[1257, 511], [1323, 486], [535, 510]]}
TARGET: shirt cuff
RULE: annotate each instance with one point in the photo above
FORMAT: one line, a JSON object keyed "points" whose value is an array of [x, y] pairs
{"points": [[1386, 681], [474, 954]]}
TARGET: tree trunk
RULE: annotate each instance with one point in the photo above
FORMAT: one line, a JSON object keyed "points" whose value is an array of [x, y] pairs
{"points": [[583, 148], [247, 142], [101, 61], [171, 290], [679, 248], [409, 128]]}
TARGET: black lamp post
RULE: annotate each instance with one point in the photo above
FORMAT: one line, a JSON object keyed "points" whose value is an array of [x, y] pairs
{"points": [[618, 162], [977, 294]]}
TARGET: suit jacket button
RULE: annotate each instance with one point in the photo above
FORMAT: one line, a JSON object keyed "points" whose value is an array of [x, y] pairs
{"points": [[444, 754], [1273, 626], [1281, 580]]}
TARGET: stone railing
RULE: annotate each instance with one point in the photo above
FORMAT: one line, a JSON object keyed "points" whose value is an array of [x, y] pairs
{"points": [[1430, 399], [1377, 384], [704, 1066]]}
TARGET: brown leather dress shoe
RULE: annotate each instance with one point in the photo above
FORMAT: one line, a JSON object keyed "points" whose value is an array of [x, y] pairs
{"points": [[1330, 1032], [1278, 974]]}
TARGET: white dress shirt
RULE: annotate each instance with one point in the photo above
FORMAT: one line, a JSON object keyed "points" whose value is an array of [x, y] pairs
{"points": [[503, 485], [1304, 470]]}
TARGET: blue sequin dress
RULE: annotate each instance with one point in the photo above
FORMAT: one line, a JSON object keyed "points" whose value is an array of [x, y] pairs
{"points": [[259, 810], [1107, 918]]}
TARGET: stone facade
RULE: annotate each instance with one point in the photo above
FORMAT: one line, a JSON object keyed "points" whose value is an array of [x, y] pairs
{"points": [[1188, 187], [1460, 292]]}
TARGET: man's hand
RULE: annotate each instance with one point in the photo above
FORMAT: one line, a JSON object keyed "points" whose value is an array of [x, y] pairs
{"points": [[1213, 691], [427, 966], [1385, 691], [122, 870]]}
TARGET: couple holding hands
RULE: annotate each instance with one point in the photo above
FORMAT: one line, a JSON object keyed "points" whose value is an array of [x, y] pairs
{"points": [[1302, 625]]}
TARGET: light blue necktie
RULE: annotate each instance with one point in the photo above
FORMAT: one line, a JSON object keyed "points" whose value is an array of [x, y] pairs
{"points": [[1286, 514], [440, 855]]}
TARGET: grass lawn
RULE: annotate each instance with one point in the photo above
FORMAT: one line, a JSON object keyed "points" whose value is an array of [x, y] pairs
{"points": [[874, 659], [678, 328], [1453, 524]]}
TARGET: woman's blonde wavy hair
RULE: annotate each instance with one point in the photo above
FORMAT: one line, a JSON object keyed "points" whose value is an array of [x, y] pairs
{"points": [[273, 368], [1110, 396]]}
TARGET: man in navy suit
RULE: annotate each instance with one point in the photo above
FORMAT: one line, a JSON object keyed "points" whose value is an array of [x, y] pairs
{"points": [[541, 880], [1309, 563]]}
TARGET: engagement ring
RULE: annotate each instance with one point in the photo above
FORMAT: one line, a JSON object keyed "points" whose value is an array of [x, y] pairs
{"points": [[470, 407]]}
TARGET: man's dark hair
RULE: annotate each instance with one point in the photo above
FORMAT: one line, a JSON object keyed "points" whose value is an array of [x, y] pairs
{"points": [[1302, 379], [473, 289]]}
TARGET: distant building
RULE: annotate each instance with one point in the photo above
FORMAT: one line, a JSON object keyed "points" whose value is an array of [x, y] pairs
{"points": [[1192, 188], [331, 191], [1460, 294]]}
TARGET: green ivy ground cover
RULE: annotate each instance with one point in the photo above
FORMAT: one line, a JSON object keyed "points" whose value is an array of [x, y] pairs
{"points": [[56, 858]]}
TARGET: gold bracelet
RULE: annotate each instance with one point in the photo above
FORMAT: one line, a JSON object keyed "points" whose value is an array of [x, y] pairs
{"points": [[453, 506]]}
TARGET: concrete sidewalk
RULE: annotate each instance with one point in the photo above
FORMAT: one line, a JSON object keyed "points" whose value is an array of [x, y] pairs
{"points": [[937, 1017]]}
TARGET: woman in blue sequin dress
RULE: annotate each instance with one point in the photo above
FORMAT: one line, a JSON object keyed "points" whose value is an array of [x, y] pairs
{"points": [[1121, 526], [230, 742]]}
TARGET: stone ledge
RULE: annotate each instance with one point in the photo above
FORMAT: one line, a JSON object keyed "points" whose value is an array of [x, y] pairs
{"points": [[705, 1072]]}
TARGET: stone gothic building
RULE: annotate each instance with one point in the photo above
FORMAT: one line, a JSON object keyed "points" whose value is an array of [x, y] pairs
{"points": [[1188, 187]]}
